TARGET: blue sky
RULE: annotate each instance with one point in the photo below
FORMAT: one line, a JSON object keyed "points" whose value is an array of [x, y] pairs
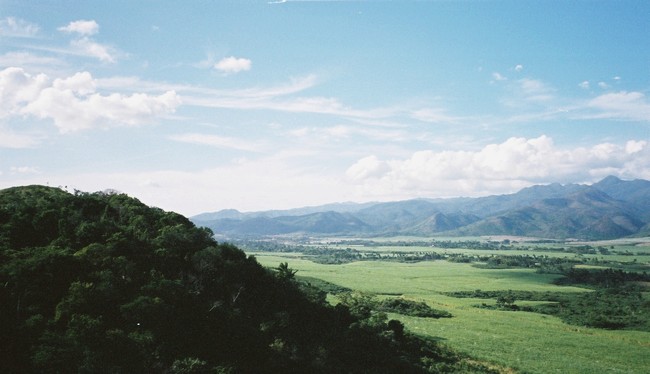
{"points": [[257, 105]]}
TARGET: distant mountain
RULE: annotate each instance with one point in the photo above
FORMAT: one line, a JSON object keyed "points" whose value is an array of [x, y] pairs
{"points": [[611, 208], [440, 222], [235, 214], [636, 192], [589, 214]]}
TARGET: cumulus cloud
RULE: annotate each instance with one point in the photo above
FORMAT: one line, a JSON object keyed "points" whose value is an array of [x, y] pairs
{"points": [[519, 68], [17, 28], [232, 65], [82, 27], [498, 168], [584, 84], [73, 103], [367, 167], [634, 146]]}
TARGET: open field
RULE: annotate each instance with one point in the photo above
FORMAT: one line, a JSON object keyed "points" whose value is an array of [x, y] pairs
{"points": [[528, 342], [636, 250]]}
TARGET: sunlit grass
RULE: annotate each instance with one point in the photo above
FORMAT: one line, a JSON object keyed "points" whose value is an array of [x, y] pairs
{"points": [[528, 341]]}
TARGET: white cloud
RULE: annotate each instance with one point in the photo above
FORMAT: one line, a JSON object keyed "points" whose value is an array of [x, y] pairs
{"points": [[276, 98], [535, 90], [633, 146], [218, 141], [621, 105], [73, 104], [498, 77], [81, 83], [603, 85], [90, 48], [31, 62], [13, 140], [497, 168], [24, 170], [436, 115], [232, 65], [82, 27], [519, 68], [17, 28], [584, 84], [367, 167], [17, 89], [84, 45]]}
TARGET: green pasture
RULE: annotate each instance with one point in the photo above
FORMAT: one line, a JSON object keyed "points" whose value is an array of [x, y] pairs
{"points": [[528, 342]]}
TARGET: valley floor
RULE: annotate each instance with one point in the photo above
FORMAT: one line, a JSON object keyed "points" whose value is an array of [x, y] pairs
{"points": [[526, 341]]}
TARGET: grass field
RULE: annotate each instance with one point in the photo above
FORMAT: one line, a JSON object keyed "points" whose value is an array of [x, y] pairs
{"points": [[528, 342]]}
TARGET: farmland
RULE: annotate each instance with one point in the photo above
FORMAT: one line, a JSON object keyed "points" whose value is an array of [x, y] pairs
{"points": [[522, 340]]}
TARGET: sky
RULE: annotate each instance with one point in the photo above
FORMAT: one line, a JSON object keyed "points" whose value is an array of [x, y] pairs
{"points": [[199, 106]]}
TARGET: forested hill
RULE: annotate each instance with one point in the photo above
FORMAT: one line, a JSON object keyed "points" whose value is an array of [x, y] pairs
{"points": [[100, 283]]}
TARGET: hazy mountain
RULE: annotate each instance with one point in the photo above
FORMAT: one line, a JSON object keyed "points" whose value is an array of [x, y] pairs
{"points": [[235, 214], [636, 192], [611, 208], [440, 222], [589, 213]]}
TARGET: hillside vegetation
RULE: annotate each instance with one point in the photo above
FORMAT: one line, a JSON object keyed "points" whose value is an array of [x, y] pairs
{"points": [[101, 283]]}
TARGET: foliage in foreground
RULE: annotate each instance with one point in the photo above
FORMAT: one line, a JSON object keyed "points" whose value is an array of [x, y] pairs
{"points": [[101, 283]]}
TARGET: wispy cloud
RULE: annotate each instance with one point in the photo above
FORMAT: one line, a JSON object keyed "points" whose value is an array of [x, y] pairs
{"points": [[14, 140], [437, 115], [218, 142], [18, 28], [535, 90], [498, 77], [84, 45], [91, 48], [31, 62], [24, 170], [621, 105], [198, 93], [82, 27]]}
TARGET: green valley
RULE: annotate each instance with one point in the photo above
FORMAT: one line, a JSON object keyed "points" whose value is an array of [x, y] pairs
{"points": [[528, 338]]}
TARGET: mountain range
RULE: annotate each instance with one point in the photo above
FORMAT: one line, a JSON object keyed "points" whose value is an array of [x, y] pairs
{"points": [[611, 208]]}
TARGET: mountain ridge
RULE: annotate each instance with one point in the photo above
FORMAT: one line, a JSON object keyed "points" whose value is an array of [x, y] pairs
{"points": [[608, 209]]}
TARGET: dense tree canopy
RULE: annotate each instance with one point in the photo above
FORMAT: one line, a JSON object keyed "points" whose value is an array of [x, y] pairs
{"points": [[99, 282]]}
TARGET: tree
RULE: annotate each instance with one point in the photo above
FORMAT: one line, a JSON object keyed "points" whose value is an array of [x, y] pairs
{"points": [[284, 272]]}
